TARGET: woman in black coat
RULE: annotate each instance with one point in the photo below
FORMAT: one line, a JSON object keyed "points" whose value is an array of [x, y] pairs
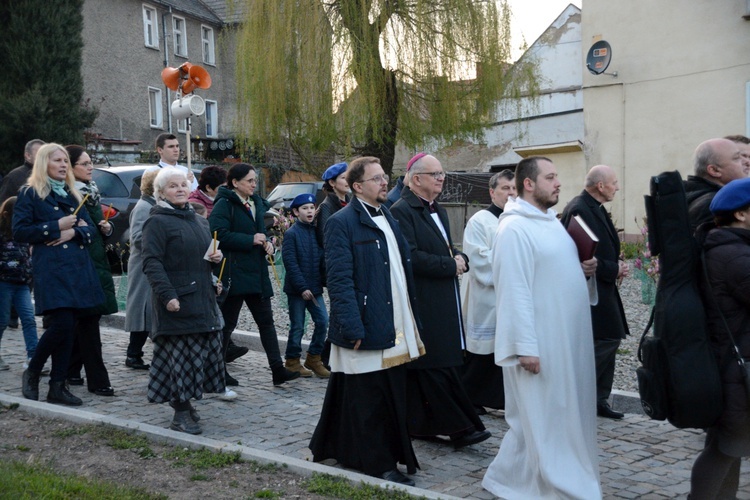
{"points": [[337, 197], [186, 324], [65, 280], [716, 471]]}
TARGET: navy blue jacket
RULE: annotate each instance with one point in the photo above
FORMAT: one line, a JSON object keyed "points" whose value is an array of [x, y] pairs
{"points": [[359, 279], [64, 275], [303, 258]]}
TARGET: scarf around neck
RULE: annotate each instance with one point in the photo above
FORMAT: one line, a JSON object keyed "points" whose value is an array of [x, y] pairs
{"points": [[58, 187]]}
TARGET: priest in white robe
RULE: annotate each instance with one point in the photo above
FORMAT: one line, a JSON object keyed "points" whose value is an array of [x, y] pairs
{"points": [[373, 332], [544, 344]]}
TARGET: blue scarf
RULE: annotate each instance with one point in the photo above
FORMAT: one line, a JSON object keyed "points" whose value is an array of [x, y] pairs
{"points": [[58, 187]]}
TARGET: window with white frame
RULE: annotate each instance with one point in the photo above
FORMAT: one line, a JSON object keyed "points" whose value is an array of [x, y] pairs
{"points": [[212, 119], [179, 35], [209, 47], [155, 107], [150, 27], [182, 126]]}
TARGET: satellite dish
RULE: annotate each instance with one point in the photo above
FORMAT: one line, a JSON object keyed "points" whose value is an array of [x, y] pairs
{"points": [[599, 57]]}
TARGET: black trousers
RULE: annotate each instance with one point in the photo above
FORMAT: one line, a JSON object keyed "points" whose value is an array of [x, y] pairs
{"points": [[87, 353], [57, 343], [714, 475], [137, 341], [605, 352], [262, 313]]}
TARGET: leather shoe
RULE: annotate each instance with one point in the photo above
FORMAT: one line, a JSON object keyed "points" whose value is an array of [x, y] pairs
{"points": [[605, 411], [470, 438], [395, 476], [230, 380], [103, 391], [234, 351], [136, 363], [75, 380]]}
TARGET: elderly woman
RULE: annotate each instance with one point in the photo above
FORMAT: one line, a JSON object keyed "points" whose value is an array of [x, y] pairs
{"points": [[87, 347], [186, 326], [138, 302], [237, 217], [211, 178], [65, 281], [716, 471]]}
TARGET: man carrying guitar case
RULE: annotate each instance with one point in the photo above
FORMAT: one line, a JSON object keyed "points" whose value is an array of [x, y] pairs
{"points": [[679, 377]]}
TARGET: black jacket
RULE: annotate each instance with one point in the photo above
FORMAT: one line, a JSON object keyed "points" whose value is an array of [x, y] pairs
{"points": [[699, 193], [329, 206], [436, 281], [608, 316], [728, 267], [174, 243], [13, 181], [303, 260]]}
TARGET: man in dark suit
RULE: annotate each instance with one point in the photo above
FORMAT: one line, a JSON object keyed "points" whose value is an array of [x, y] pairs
{"points": [[438, 403], [608, 316]]}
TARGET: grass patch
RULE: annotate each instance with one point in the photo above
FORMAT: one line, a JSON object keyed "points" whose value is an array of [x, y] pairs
{"points": [[72, 431], [21, 447], [199, 477], [270, 467], [122, 440], [266, 493], [202, 458], [339, 487], [18, 480]]}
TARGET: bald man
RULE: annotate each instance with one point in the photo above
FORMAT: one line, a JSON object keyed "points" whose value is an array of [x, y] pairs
{"points": [[716, 162], [608, 316]]}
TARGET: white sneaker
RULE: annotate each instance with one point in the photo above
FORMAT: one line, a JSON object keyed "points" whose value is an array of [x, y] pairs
{"points": [[229, 395], [3, 365], [45, 370]]}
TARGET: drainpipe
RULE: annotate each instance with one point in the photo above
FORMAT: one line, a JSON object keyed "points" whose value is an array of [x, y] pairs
{"points": [[166, 64]]}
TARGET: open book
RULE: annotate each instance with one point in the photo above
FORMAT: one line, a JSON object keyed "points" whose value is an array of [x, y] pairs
{"points": [[583, 236]]}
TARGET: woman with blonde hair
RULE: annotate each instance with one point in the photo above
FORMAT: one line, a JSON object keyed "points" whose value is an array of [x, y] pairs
{"points": [[65, 281]]}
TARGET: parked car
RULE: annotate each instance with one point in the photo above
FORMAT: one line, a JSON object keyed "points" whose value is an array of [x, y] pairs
{"points": [[120, 190], [282, 195]]}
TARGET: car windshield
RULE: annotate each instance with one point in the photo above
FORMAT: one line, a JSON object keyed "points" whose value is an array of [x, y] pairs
{"points": [[110, 186], [288, 192]]}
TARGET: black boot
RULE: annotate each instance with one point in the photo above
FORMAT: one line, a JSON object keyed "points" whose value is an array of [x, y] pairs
{"points": [[281, 375], [193, 412], [30, 384], [59, 393], [183, 422]]}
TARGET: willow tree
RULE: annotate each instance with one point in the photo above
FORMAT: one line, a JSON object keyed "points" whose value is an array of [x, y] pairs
{"points": [[362, 75]]}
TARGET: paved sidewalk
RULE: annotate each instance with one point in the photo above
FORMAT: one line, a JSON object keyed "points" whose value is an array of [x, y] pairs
{"points": [[640, 458]]}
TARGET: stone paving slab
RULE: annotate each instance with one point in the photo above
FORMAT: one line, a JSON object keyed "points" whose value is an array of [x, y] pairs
{"points": [[639, 458]]}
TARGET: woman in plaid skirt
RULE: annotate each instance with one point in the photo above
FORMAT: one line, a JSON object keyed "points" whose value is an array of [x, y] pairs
{"points": [[186, 325]]}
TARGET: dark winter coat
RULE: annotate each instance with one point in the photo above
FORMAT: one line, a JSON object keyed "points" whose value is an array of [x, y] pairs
{"points": [[728, 266], [608, 316], [64, 275], [329, 206], [699, 193], [303, 260], [395, 194], [359, 282], [174, 243], [98, 254], [436, 282], [246, 265], [14, 180]]}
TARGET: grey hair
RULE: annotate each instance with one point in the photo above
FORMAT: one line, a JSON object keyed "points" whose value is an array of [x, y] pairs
{"points": [[704, 156], [160, 182], [506, 174], [30, 145]]}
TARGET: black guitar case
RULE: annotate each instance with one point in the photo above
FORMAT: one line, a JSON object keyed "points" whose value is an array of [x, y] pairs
{"points": [[679, 377]]}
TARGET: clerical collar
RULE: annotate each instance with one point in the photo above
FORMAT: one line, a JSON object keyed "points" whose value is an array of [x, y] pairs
{"points": [[374, 212], [430, 205], [494, 210]]}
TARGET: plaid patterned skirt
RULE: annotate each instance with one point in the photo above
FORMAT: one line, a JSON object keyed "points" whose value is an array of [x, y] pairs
{"points": [[186, 366]]}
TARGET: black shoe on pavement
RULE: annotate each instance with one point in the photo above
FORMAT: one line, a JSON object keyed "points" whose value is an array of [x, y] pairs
{"points": [[235, 351], [396, 476], [59, 393], [136, 363], [30, 385], [75, 380], [183, 422], [281, 375], [471, 438], [103, 391], [230, 380], [605, 411]]}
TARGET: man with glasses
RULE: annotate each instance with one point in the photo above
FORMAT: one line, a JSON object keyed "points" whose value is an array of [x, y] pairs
{"points": [[716, 162], [373, 332], [438, 403]]}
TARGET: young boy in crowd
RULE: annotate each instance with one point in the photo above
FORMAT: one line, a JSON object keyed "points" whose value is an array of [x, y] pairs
{"points": [[303, 284]]}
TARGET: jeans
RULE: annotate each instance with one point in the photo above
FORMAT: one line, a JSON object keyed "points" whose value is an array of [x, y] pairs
{"points": [[19, 296], [56, 342], [262, 313], [297, 306]]}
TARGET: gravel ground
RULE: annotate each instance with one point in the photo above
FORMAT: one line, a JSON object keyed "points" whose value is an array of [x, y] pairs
{"points": [[636, 313]]}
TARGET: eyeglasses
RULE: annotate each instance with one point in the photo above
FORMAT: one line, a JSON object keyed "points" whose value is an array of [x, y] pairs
{"points": [[379, 179], [254, 180], [84, 164], [435, 175]]}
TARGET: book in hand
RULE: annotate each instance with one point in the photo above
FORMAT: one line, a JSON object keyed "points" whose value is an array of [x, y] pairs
{"points": [[584, 238]]}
